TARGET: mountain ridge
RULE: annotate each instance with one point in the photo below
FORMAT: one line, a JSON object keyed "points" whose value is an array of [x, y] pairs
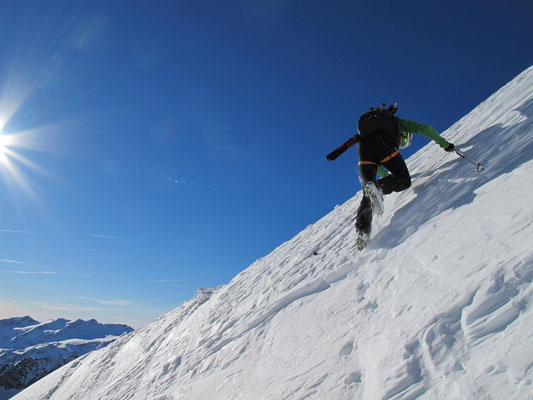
{"points": [[30, 349]]}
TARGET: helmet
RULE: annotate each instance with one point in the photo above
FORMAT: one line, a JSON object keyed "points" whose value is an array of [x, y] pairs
{"points": [[407, 140]]}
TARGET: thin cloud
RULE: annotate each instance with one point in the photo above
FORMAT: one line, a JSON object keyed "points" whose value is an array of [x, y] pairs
{"points": [[98, 236], [118, 302], [29, 272], [66, 307], [47, 271], [16, 231], [172, 283], [12, 261]]}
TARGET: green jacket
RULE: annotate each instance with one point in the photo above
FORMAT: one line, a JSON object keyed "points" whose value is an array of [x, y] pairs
{"points": [[407, 125]]}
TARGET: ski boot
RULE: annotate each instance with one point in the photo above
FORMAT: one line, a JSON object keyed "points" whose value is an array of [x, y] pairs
{"points": [[375, 195], [361, 240]]}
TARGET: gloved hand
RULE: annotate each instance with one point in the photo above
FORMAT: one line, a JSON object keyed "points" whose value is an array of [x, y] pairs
{"points": [[450, 147]]}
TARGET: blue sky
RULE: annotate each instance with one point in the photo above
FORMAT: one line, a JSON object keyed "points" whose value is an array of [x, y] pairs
{"points": [[151, 148]]}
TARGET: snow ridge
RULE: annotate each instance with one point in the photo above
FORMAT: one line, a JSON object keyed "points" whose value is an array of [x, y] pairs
{"points": [[438, 306]]}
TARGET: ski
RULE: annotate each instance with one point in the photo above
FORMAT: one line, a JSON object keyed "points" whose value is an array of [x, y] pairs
{"points": [[341, 149]]}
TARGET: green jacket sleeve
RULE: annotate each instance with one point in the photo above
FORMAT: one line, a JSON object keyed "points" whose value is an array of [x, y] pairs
{"points": [[407, 125]]}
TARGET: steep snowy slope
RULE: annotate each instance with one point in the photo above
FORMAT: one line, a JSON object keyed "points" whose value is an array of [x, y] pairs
{"points": [[439, 306]]}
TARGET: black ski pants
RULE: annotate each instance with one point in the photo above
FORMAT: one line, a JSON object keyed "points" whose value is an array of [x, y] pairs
{"points": [[376, 151]]}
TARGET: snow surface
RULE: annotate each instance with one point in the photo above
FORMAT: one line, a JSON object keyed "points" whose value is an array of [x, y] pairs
{"points": [[438, 306]]}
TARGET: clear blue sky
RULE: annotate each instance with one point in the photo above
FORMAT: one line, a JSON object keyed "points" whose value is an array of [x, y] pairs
{"points": [[154, 147]]}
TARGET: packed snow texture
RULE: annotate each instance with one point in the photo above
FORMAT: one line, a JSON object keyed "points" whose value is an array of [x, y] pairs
{"points": [[438, 306]]}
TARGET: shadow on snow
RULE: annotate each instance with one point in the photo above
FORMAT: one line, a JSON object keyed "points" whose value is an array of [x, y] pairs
{"points": [[500, 149]]}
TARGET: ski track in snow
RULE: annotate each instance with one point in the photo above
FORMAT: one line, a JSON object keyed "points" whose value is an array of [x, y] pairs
{"points": [[438, 306]]}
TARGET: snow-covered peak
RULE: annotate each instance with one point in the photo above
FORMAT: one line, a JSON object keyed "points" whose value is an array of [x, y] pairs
{"points": [[438, 306], [10, 327], [17, 321], [20, 333], [30, 350]]}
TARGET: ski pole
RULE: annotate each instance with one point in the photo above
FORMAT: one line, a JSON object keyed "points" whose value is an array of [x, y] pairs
{"points": [[479, 167]]}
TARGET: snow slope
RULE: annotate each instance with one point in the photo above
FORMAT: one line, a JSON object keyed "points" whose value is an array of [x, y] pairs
{"points": [[439, 305]]}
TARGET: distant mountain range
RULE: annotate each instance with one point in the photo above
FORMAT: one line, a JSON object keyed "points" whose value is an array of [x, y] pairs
{"points": [[30, 349]]}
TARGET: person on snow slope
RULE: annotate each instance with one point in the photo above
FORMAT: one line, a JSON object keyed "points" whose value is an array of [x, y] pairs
{"points": [[380, 138]]}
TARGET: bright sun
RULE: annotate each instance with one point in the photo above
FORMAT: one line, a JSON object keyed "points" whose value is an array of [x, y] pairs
{"points": [[3, 148], [4, 142]]}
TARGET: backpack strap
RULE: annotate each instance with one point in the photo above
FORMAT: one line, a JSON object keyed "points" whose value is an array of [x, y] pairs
{"points": [[390, 156]]}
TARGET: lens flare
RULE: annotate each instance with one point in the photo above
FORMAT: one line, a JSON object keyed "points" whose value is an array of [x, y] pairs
{"points": [[19, 173], [5, 140]]}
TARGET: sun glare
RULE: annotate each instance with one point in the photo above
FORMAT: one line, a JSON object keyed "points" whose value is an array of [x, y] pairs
{"points": [[4, 139], [4, 142]]}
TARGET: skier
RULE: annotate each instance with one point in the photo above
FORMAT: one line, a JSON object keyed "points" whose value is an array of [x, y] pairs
{"points": [[380, 137]]}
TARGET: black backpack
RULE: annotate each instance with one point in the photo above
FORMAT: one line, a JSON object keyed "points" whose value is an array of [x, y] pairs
{"points": [[379, 120]]}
